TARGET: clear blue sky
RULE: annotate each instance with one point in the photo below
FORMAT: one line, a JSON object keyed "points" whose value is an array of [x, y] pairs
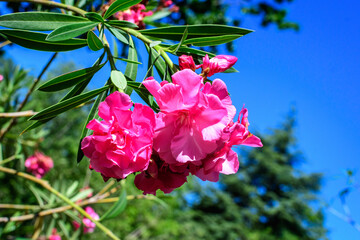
{"points": [[316, 69]]}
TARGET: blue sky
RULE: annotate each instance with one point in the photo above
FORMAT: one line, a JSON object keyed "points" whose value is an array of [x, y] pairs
{"points": [[316, 69]]}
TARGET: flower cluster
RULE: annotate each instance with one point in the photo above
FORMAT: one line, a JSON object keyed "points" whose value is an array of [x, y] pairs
{"points": [[134, 14], [193, 132], [39, 164], [89, 226]]}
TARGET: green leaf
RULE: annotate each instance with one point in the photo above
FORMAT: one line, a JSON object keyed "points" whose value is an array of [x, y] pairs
{"points": [[69, 79], [68, 104], [118, 79], [85, 131], [120, 23], [36, 41], [95, 17], [120, 5], [38, 21], [154, 43], [117, 208], [70, 31], [71, 189], [131, 68], [76, 90], [120, 35], [194, 31], [127, 60], [94, 42], [183, 38], [211, 41], [160, 66], [81, 195]]}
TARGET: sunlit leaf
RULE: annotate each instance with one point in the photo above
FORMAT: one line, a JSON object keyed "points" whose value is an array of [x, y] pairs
{"points": [[70, 31]]}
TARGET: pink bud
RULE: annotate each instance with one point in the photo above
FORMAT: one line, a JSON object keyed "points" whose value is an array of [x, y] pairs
{"points": [[54, 235], [186, 62], [1, 77], [217, 64]]}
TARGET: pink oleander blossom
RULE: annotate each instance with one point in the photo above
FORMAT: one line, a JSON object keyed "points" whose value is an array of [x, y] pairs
{"points": [[225, 160], [134, 14], [186, 62], [1, 78], [159, 176], [54, 235], [121, 144], [217, 64], [191, 119], [38, 164], [89, 226]]}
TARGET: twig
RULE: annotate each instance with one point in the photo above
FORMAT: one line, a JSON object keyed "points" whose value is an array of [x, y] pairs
{"points": [[3, 44], [18, 114], [47, 186], [32, 88]]}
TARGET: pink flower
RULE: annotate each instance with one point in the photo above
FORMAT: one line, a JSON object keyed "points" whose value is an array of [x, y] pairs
{"points": [[89, 226], [159, 176], [1, 77], [191, 120], [165, 3], [54, 235], [217, 64], [134, 14], [186, 62], [121, 144], [226, 160], [39, 164]]}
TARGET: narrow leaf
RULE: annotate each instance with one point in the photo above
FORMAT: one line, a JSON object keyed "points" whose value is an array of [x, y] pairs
{"points": [[118, 79], [61, 107], [131, 68], [211, 41], [36, 41], [154, 43], [120, 23], [120, 5], [81, 195], [38, 21], [69, 79], [70, 31], [194, 31], [95, 17], [127, 60], [94, 42], [117, 208], [120, 35]]}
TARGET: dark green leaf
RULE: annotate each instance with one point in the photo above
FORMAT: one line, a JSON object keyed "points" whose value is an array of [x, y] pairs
{"points": [[69, 79], [118, 79], [91, 116], [68, 104], [194, 31], [36, 41], [120, 35], [120, 23], [127, 60], [70, 31], [131, 68], [117, 208], [120, 5], [211, 41], [95, 17], [38, 21], [94, 42]]}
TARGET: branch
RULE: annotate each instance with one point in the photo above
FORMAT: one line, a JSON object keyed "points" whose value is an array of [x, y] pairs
{"points": [[47, 186], [18, 114]]}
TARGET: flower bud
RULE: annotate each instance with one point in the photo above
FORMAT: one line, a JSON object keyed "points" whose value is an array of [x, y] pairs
{"points": [[217, 64], [186, 62]]}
